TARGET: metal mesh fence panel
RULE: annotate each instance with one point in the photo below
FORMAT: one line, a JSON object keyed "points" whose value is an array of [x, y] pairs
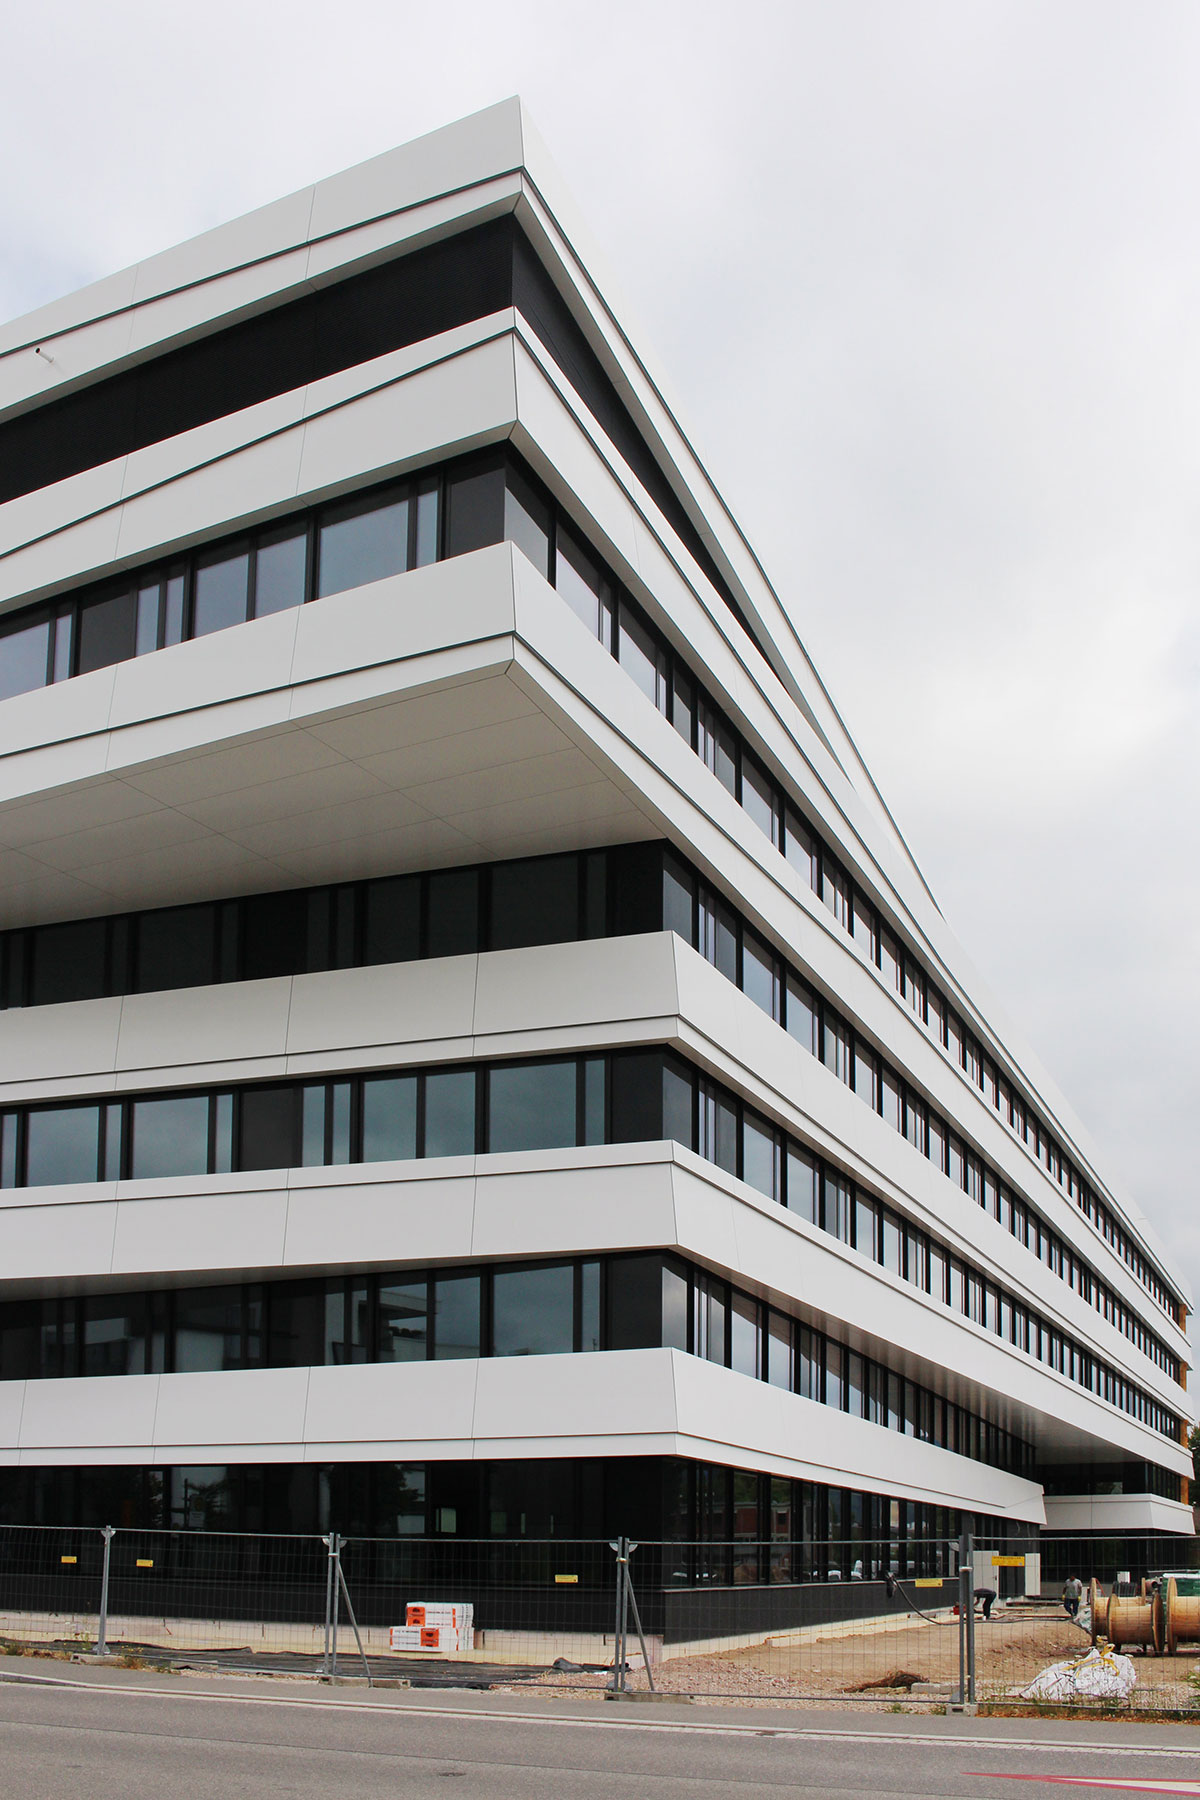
{"points": [[498, 1610], [50, 1580], [931, 1623], [841, 1623], [1093, 1623]]}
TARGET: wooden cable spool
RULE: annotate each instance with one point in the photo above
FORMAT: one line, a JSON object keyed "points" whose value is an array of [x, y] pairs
{"points": [[1181, 1613], [1132, 1620]]}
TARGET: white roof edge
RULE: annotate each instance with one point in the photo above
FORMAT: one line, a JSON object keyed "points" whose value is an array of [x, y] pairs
{"points": [[458, 155]]}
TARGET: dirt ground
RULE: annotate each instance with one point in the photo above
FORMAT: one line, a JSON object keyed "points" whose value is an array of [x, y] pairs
{"points": [[855, 1668]]}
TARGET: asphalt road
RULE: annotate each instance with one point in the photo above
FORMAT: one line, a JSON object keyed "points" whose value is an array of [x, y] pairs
{"points": [[142, 1737]]}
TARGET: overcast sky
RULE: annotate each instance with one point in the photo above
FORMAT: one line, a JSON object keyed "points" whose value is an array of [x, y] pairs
{"points": [[925, 279]]}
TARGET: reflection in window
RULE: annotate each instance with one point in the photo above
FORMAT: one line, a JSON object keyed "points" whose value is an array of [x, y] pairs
{"points": [[532, 1106], [280, 567], [450, 1113], [23, 656], [170, 1137], [583, 587], [361, 542], [106, 631], [62, 1145], [389, 1118], [403, 1321], [456, 1317], [220, 592], [533, 1311]]}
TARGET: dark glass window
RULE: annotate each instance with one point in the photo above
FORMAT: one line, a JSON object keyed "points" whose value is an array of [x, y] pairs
{"points": [[717, 746], [62, 1144], [392, 920], [107, 631], [23, 656], [456, 1317], [426, 533], [760, 1156], [802, 1183], [758, 798], [21, 1340], [532, 1106], [779, 1351], [745, 1349], [865, 932], [274, 935], [674, 1307], [527, 521], [801, 848], [533, 1311], [365, 540], [389, 1118], [638, 1097], [297, 1315], [114, 1336], [641, 657], [679, 900], [866, 1075], [683, 704], [170, 1137], [718, 1128], [61, 654], [835, 1205], [221, 590], [450, 1113], [760, 974], [209, 1329], [454, 912], [535, 902], [835, 1045], [890, 1097], [474, 508], [718, 934], [582, 586], [270, 1128], [403, 1320], [803, 1017], [280, 564], [68, 962], [635, 1303], [176, 948]]}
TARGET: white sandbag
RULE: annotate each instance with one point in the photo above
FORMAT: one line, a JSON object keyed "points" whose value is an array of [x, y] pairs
{"points": [[1096, 1674]]}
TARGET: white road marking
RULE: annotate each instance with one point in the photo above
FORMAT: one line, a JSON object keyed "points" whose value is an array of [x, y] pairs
{"points": [[619, 1721]]}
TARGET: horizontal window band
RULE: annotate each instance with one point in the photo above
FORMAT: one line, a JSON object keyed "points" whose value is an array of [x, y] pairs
{"points": [[629, 1096], [577, 896]]}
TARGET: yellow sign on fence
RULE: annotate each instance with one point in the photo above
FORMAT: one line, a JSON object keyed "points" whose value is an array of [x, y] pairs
{"points": [[1008, 1562], [145, 1562], [567, 1580], [68, 1559], [928, 1581]]}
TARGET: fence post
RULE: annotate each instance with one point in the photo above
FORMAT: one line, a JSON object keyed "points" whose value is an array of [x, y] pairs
{"points": [[966, 1621], [107, 1532], [329, 1664], [637, 1617], [353, 1621], [969, 1691], [620, 1548]]}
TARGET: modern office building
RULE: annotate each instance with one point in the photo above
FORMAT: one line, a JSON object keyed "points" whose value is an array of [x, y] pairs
{"points": [[478, 1056]]}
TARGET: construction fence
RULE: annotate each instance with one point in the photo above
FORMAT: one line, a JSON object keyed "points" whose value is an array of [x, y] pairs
{"points": [[935, 1624]]}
